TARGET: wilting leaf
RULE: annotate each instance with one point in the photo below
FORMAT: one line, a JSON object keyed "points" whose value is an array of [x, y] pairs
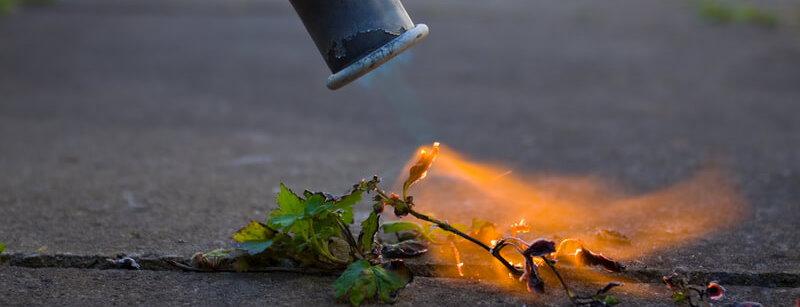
{"points": [[540, 247], [254, 238], [608, 287], [419, 170], [404, 249], [290, 209], [531, 276], [362, 281], [368, 229], [586, 257]]}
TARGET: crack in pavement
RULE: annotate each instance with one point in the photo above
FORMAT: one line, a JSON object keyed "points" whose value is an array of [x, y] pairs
{"points": [[154, 262]]}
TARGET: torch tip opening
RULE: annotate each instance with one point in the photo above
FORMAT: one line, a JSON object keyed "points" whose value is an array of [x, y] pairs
{"points": [[376, 58]]}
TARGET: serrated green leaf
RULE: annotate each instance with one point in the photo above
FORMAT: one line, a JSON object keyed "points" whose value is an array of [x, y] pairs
{"points": [[368, 229], [316, 204], [346, 203], [290, 209], [362, 281]]}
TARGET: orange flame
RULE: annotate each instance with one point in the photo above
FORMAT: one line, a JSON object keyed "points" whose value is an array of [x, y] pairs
{"points": [[601, 216], [520, 227]]}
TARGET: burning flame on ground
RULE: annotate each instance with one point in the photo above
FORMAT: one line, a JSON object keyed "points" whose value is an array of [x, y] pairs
{"points": [[602, 217]]}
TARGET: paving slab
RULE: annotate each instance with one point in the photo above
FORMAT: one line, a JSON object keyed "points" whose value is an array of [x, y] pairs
{"points": [[159, 127], [23, 286]]}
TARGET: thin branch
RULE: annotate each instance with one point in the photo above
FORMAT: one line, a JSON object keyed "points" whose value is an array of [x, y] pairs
{"points": [[446, 227], [560, 279]]}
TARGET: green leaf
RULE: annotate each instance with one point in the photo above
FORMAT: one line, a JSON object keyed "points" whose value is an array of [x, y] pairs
{"points": [[678, 296], [290, 209], [254, 238], [368, 229], [316, 204], [2, 247], [346, 203], [362, 281], [398, 226], [610, 300], [253, 248]]}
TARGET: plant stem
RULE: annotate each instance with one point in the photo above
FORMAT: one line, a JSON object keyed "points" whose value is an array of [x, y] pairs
{"points": [[445, 226], [560, 279], [350, 239]]}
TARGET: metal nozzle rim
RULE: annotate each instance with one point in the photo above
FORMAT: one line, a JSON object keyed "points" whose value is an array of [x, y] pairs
{"points": [[376, 58]]}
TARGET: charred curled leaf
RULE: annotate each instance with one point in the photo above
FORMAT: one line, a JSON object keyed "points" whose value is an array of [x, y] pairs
{"points": [[419, 170], [404, 249], [608, 287], [531, 277], [540, 247], [586, 257], [364, 281]]}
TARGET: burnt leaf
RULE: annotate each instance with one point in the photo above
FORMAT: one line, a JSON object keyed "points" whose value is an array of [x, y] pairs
{"points": [[531, 277], [368, 229], [586, 257], [363, 281], [540, 247], [419, 170], [404, 249], [254, 238], [608, 287]]}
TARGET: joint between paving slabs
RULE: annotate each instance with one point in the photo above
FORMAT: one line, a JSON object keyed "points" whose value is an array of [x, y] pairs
{"points": [[178, 263]]}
